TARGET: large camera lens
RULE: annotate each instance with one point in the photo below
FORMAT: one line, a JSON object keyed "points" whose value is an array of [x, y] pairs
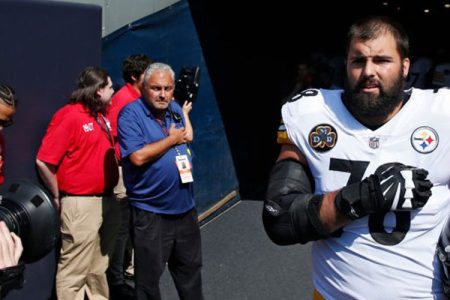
{"points": [[27, 210]]}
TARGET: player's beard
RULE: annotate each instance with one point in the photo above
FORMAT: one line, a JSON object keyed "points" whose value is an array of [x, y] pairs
{"points": [[371, 105]]}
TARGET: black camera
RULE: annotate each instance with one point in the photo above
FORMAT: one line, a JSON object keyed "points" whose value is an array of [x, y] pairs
{"points": [[28, 211], [186, 86]]}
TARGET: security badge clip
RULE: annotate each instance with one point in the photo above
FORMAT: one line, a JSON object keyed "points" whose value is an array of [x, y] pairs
{"points": [[184, 168]]}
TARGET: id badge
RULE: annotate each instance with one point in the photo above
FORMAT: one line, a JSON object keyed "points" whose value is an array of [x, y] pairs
{"points": [[184, 168]]}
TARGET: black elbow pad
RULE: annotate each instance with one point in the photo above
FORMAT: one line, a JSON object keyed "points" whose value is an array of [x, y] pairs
{"points": [[300, 224], [291, 211], [277, 223], [288, 176]]}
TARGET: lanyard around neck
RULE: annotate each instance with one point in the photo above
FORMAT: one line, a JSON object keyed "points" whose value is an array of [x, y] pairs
{"points": [[162, 124], [106, 127]]}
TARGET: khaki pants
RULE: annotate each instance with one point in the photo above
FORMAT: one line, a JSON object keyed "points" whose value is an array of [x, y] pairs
{"points": [[88, 228]]}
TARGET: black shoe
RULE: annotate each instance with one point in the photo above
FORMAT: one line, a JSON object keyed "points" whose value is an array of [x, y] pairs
{"points": [[122, 292]]}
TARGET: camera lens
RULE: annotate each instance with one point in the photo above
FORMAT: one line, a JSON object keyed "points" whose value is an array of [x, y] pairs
{"points": [[11, 214], [27, 210]]}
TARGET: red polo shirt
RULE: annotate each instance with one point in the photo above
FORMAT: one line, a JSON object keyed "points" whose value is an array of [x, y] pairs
{"points": [[76, 143], [121, 98]]}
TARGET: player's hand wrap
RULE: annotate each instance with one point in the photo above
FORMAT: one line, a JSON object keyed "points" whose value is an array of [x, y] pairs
{"points": [[394, 186]]}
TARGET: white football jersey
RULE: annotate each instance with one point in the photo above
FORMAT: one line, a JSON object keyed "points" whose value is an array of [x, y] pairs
{"points": [[383, 256]]}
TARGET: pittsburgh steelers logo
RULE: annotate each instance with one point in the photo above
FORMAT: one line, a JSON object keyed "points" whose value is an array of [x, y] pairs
{"points": [[323, 137], [424, 139]]}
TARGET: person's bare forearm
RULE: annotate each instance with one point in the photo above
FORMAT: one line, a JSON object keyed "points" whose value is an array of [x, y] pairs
{"points": [[152, 151], [189, 131], [48, 175]]}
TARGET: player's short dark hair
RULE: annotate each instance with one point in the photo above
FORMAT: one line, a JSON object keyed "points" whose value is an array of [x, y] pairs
{"points": [[134, 66], [370, 28]]}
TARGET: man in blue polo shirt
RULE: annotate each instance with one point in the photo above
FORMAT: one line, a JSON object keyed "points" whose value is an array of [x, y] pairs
{"points": [[157, 170]]}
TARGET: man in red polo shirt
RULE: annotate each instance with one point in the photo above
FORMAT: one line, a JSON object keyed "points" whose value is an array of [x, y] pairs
{"points": [[133, 68], [77, 162]]}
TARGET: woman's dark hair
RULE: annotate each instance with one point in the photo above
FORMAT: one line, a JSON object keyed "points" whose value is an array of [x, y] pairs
{"points": [[90, 81], [370, 28]]}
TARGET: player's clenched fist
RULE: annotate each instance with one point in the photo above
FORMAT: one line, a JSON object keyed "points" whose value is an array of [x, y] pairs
{"points": [[393, 186]]}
